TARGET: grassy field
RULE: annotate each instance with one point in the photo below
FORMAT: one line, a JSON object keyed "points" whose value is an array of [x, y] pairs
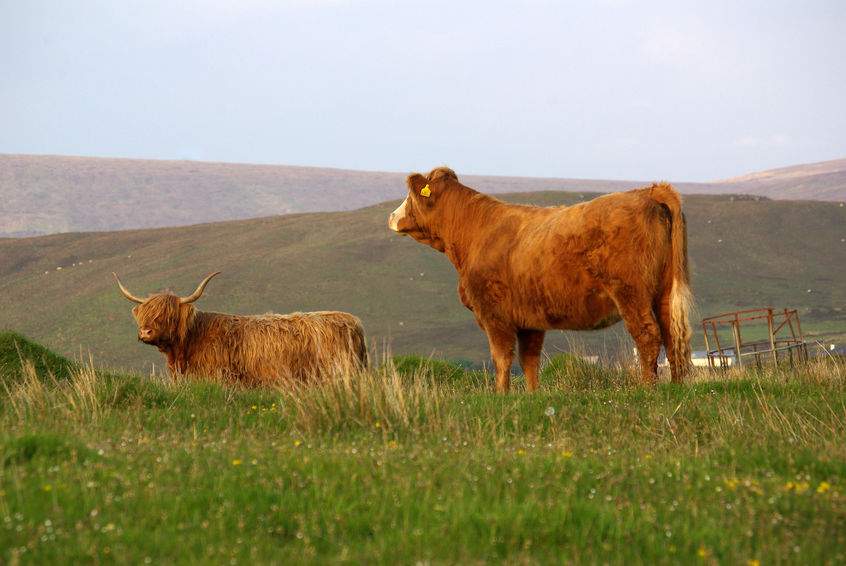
{"points": [[419, 462], [790, 254]]}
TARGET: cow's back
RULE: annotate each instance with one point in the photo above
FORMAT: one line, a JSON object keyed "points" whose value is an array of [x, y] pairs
{"points": [[302, 346]]}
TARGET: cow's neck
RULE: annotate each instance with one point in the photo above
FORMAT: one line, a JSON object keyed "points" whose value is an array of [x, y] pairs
{"points": [[170, 352], [178, 352], [464, 221]]}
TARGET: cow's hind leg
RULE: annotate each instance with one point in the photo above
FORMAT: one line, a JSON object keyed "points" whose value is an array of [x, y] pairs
{"points": [[530, 344], [501, 342], [664, 312], [637, 313]]}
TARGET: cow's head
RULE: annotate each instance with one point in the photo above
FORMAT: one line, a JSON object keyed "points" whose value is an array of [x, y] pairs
{"points": [[163, 318], [421, 213]]}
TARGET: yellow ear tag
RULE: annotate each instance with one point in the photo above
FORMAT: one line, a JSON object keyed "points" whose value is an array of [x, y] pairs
{"points": [[425, 191]]}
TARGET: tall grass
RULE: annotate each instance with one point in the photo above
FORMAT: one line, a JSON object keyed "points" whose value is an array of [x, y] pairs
{"points": [[76, 397], [416, 461], [380, 397]]}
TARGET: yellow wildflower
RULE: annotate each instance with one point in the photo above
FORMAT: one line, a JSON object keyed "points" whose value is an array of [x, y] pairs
{"points": [[823, 487], [753, 562], [566, 454], [702, 552], [298, 442], [236, 462], [48, 487], [754, 488], [731, 484]]}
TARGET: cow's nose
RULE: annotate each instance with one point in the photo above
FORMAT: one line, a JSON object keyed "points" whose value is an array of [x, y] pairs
{"points": [[144, 333]]}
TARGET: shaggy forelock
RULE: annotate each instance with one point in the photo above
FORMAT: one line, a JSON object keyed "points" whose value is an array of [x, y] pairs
{"points": [[161, 307], [441, 173]]}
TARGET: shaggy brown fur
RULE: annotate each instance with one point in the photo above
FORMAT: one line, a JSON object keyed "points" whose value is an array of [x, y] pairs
{"points": [[524, 270], [252, 350]]}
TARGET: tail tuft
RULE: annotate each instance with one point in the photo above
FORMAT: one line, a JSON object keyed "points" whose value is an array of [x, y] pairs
{"points": [[681, 297], [681, 300]]}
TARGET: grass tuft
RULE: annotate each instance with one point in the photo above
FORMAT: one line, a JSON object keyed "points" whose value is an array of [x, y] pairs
{"points": [[568, 371]]}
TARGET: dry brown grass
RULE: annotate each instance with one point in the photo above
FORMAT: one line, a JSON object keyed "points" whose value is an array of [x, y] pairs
{"points": [[378, 398], [76, 398]]}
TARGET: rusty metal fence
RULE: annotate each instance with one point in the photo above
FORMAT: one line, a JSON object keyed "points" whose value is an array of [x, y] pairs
{"points": [[783, 337]]}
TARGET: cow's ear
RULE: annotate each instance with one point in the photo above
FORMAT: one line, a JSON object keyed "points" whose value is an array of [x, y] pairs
{"points": [[418, 186], [415, 182]]}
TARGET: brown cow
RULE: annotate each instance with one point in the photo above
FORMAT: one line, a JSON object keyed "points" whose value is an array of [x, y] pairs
{"points": [[524, 269], [253, 350]]}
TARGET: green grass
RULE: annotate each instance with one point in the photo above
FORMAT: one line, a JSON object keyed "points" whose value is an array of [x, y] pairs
{"points": [[420, 461], [743, 254]]}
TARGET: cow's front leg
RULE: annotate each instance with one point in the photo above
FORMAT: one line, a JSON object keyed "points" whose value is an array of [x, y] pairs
{"points": [[501, 342]]}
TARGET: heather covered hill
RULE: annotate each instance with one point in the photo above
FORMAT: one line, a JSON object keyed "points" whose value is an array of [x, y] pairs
{"points": [[53, 194], [825, 180], [745, 252]]}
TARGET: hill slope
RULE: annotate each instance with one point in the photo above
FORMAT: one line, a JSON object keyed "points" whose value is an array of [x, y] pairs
{"points": [[825, 180], [744, 253], [54, 194]]}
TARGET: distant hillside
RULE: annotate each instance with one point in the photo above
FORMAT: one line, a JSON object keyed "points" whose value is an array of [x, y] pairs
{"points": [[58, 289], [814, 181], [55, 194]]}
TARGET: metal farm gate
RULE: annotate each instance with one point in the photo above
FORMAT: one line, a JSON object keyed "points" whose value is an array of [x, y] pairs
{"points": [[783, 336]]}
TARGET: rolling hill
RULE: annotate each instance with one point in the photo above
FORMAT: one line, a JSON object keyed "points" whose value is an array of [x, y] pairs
{"points": [[825, 180], [56, 194], [745, 252]]}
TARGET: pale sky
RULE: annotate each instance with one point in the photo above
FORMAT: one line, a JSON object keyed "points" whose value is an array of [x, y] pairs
{"points": [[605, 89]]}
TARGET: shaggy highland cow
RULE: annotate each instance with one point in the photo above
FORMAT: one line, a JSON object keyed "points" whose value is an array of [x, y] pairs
{"points": [[263, 349], [523, 270]]}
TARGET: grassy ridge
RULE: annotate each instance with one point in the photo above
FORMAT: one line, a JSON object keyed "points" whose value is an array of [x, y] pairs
{"points": [[16, 349], [404, 292], [425, 464]]}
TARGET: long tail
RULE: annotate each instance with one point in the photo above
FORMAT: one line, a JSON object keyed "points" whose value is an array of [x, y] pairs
{"points": [[681, 297]]}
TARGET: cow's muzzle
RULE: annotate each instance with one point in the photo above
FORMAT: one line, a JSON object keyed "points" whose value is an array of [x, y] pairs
{"points": [[396, 216]]}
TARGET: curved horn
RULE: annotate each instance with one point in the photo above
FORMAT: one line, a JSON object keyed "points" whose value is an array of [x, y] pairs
{"points": [[126, 292], [199, 292]]}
